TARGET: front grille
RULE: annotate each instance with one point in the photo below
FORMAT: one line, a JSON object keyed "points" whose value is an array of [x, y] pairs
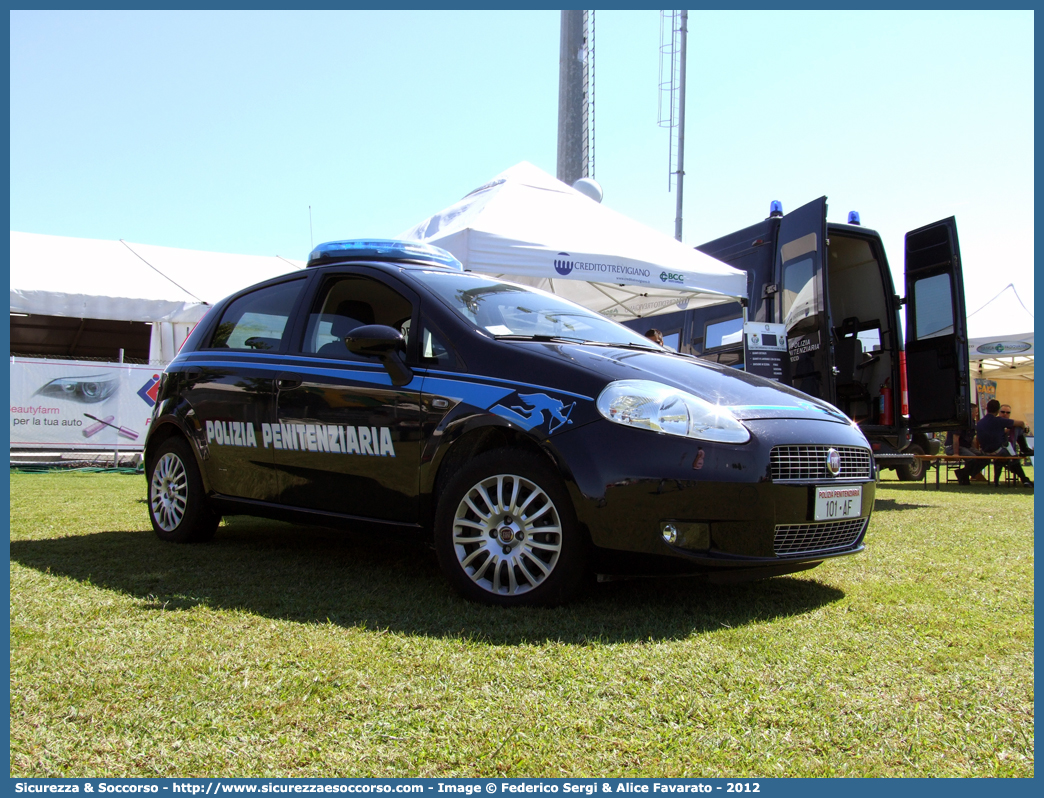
{"points": [[803, 463], [798, 539]]}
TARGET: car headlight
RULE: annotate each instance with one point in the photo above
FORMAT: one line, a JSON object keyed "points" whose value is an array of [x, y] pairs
{"points": [[661, 408], [95, 388]]}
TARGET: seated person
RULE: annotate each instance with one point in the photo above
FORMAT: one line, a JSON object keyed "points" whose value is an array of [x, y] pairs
{"points": [[992, 434], [965, 440], [654, 335], [1016, 435], [965, 445]]}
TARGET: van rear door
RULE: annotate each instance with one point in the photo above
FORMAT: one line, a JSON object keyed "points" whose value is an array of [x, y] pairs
{"points": [[801, 245], [936, 329]]}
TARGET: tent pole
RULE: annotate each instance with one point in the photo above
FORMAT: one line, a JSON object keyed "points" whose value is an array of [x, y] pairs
{"points": [[116, 451]]}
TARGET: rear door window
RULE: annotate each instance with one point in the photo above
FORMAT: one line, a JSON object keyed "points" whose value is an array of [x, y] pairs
{"points": [[933, 307], [257, 321]]}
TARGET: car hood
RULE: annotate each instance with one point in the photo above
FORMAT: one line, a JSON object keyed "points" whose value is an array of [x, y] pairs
{"points": [[747, 396]]}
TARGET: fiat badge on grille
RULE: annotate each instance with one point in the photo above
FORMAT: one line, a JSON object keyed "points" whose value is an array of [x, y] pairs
{"points": [[833, 462]]}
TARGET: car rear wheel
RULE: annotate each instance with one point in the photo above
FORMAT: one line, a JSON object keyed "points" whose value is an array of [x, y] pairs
{"points": [[505, 532], [915, 471], [177, 504]]}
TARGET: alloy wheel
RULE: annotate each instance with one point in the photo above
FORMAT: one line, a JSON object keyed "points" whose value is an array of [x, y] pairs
{"points": [[507, 534], [168, 492]]}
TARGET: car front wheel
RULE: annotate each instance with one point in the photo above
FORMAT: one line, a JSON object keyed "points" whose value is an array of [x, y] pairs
{"points": [[177, 505], [505, 532]]}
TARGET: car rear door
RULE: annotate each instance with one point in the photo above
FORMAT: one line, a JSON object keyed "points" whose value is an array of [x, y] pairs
{"points": [[936, 329], [801, 270], [230, 386]]}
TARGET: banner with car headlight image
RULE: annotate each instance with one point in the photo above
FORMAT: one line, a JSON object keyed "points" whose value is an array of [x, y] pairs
{"points": [[77, 405]]}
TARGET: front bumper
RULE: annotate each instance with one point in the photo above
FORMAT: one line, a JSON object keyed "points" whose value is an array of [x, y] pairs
{"points": [[727, 508]]}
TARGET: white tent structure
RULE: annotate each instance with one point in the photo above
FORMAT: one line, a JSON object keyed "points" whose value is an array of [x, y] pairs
{"points": [[168, 288], [1000, 344], [528, 227], [1006, 357]]}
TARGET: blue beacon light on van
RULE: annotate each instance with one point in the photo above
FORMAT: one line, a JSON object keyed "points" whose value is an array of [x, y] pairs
{"points": [[775, 208], [853, 218], [383, 249]]}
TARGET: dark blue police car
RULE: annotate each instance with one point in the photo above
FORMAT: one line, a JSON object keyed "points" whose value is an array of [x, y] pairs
{"points": [[529, 440]]}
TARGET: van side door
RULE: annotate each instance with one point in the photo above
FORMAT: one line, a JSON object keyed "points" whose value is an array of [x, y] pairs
{"points": [[800, 270], [936, 329]]}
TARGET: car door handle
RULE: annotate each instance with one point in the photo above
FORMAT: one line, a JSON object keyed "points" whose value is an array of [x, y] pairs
{"points": [[285, 385]]}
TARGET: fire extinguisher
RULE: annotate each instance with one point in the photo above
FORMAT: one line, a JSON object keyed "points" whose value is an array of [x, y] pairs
{"points": [[887, 415]]}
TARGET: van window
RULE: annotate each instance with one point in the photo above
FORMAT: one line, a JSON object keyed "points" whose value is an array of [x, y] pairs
{"points": [[723, 333], [257, 320], [799, 295], [933, 307], [871, 341]]}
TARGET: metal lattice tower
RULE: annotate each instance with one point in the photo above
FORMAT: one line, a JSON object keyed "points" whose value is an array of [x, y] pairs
{"points": [[671, 105], [576, 106], [589, 96]]}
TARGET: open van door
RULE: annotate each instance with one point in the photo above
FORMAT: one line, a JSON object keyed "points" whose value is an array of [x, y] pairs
{"points": [[936, 329], [801, 245]]}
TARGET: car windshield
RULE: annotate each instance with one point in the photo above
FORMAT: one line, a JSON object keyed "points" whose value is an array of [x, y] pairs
{"points": [[506, 309]]}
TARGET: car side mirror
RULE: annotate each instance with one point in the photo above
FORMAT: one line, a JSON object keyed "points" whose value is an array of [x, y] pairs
{"points": [[383, 343]]}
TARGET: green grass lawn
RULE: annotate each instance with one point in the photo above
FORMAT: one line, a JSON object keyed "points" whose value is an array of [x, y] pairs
{"points": [[278, 650]]}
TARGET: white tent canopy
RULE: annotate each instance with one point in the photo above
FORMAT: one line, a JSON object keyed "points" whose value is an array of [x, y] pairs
{"points": [[1002, 357], [528, 227], [93, 279], [1001, 348]]}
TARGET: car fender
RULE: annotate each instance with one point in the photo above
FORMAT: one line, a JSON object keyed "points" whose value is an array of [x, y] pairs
{"points": [[176, 416], [474, 431]]}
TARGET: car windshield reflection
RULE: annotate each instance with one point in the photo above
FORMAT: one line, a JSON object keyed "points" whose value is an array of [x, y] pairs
{"points": [[518, 312]]}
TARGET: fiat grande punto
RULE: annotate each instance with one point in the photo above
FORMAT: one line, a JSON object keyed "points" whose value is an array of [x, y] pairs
{"points": [[529, 441]]}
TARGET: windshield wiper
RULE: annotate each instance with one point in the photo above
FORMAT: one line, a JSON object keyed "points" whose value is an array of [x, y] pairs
{"points": [[586, 341], [542, 338], [639, 347]]}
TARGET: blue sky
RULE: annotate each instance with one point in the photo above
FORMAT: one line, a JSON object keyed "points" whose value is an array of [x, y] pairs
{"points": [[218, 130]]}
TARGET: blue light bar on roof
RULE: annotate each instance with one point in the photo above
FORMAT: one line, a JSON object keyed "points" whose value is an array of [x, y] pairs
{"points": [[853, 218], [383, 249]]}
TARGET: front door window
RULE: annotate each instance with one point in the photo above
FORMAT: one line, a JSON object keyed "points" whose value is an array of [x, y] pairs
{"points": [[348, 302]]}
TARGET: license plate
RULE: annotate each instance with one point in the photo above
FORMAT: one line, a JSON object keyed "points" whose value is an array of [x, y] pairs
{"points": [[836, 502]]}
